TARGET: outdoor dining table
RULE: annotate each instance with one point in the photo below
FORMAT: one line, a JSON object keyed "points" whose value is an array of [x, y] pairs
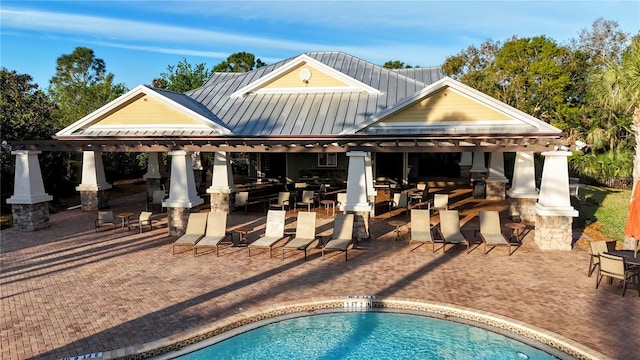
{"points": [[630, 257]]}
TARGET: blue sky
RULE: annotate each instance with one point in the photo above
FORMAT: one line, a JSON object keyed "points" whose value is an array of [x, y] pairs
{"points": [[138, 39]]}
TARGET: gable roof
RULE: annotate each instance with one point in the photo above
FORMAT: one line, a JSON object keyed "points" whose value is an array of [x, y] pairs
{"points": [[193, 118]]}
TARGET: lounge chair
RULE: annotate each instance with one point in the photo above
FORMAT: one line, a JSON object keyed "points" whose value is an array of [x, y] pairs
{"points": [[305, 233], [440, 202], [242, 199], [491, 232], [342, 234], [145, 218], [282, 202], [597, 248], [614, 267], [450, 229], [421, 228], [273, 233], [105, 218], [216, 233], [196, 226]]}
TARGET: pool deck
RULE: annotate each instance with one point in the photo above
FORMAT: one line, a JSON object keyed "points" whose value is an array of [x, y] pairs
{"points": [[68, 291]]}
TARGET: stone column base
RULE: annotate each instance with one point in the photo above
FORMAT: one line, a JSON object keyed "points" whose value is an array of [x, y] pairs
{"points": [[177, 219], [361, 225], [496, 190], [523, 208], [554, 232], [465, 171], [30, 217], [94, 200], [220, 202]]}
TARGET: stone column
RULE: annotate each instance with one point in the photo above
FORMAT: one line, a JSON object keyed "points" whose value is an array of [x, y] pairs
{"points": [[155, 171], [357, 199], [523, 191], [496, 181], [221, 183], [29, 202], [182, 192], [554, 213], [465, 164], [94, 186]]}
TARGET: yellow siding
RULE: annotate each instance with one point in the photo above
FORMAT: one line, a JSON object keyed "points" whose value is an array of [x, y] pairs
{"points": [[291, 79], [145, 110], [446, 105]]}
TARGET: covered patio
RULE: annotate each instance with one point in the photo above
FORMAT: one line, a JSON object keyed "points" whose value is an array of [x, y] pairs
{"points": [[68, 291]]}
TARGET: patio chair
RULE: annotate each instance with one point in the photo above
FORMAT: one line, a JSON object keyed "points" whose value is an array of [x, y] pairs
{"points": [[341, 200], [105, 218], [307, 199], [342, 235], [242, 200], [145, 219], [281, 202], [273, 233], [450, 229], [491, 232], [216, 233], [196, 226], [421, 228], [305, 233], [440, 202], [400, 201], [614, 267], [597, 248]]}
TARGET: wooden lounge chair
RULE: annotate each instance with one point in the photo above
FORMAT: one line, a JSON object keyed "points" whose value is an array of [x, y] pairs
{"points": [[342, 235], [196, 226], [305, 233], [450, 229], [614, 267], [421, 228], [273, 233], [491, 232], [216, 233], [105, 218]]}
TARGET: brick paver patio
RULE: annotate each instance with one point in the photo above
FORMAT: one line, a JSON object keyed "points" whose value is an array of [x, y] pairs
{"points": [[67, 291]]}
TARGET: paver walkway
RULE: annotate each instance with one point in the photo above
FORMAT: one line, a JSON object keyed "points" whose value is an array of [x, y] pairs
{"points": [[67, 291]]}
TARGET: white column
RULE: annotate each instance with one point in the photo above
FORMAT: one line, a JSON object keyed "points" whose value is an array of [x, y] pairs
{"points": [[496, 168], [222, 176], [405, 169], [28, 187], [465, 159], [368, 171], [554, 197], [93, 178], [154, 170], [182, 192], [478, 162], [523, 184], [357, 183]]}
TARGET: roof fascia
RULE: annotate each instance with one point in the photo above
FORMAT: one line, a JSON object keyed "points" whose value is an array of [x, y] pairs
{"points": [[464, 90], [355, 84], [131, 94]]}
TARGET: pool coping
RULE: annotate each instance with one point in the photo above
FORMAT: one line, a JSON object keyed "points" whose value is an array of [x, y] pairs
{"points": [[545, 340]]}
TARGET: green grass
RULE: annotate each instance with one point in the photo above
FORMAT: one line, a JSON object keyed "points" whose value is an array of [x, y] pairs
{"points": [[606, 206]]}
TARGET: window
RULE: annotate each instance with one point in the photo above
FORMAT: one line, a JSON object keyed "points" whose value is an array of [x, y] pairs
{"points": [[328, 159]]}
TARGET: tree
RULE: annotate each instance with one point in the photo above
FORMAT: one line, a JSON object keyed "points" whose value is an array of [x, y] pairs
{"points": [[183, 77], [81, 85], [602, 42], [396, 64], [26, 114], [239, 62]]}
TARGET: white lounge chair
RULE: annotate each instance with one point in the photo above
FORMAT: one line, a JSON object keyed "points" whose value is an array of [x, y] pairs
{"points": [[274, 231], [342, 235], [305, 233]]}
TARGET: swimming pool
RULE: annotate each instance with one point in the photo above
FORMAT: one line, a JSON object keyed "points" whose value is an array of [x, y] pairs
{"points": [[367, 335]]}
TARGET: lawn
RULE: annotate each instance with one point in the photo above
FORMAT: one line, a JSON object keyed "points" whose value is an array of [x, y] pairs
{"points": [[604, 210]]}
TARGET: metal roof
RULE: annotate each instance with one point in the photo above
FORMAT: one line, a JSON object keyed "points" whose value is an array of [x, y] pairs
{"points": [[318, 113]]}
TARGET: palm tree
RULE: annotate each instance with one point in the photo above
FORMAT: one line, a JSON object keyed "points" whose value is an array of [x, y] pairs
{"points": [[617, 88]]}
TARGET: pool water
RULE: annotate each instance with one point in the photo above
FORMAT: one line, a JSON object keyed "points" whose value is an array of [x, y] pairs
{"points": [[368, 335]]}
